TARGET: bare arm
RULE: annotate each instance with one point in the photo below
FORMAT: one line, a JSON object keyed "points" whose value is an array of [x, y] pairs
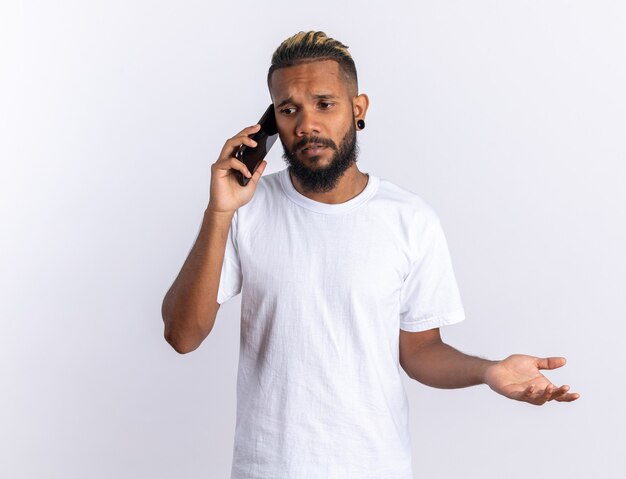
{"points": [[190, 306], [427, 359]]}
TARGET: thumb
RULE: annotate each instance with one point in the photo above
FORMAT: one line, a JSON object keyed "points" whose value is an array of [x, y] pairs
{"points": [[258, 172], [551, 363]]}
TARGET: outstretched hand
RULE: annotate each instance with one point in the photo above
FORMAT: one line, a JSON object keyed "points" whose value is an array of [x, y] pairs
{"points": [[518, 377]]}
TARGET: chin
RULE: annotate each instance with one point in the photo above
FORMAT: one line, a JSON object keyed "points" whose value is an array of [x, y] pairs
{"points": [[317, 163], [312, 163], [322, 173]]}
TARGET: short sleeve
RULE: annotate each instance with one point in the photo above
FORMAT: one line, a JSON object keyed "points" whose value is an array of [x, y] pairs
{"points": [[230, 277], [430, 297]]}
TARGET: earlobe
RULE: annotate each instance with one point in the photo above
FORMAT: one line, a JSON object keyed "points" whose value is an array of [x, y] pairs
{"points": [[361, 103]]}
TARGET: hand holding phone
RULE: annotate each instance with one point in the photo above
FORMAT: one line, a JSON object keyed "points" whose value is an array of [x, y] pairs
{"points": [[226, 194], [265, 138]]}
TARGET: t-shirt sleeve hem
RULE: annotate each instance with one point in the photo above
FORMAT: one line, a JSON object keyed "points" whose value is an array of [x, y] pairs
{"points": [[229, 269], [223, 297], [434, 321]]}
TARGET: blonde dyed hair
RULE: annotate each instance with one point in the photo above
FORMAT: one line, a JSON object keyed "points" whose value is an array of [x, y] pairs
{"points": [[304, 47]]}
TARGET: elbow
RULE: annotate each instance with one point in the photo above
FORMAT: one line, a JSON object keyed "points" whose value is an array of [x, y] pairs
{"points": [[174, 337], [184, 333], [415, 371], [180, 345], [408, 371], [184, 338], [410, 365], [172, 334], [415, 363], [182, 349]]}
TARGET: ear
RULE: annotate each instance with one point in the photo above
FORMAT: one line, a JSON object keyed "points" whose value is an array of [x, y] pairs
{"points": [[359, 106]]}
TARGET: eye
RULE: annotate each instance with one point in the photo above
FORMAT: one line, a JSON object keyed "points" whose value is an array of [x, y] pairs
{"points": [[288, 111], [325, 105]]}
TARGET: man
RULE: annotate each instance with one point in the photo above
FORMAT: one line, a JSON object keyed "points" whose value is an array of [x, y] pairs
{"points": [[344, 277]]}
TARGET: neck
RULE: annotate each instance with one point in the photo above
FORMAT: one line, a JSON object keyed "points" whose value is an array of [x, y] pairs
{"points": [[351, 183]]}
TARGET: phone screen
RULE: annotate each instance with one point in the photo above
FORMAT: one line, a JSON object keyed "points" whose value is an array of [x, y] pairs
{"points": [[265, 138]]}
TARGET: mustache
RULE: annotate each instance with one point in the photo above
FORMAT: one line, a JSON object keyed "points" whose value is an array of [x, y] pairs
{"points": [[314, 139]]}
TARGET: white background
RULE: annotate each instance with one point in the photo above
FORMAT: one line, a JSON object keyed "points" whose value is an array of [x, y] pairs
{"points": [[507, 117]]}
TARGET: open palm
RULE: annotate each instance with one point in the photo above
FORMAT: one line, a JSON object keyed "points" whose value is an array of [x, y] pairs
{"points": [[518, 377]]}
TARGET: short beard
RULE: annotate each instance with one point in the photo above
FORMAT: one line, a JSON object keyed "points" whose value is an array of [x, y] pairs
{"points": [[322, 180]]}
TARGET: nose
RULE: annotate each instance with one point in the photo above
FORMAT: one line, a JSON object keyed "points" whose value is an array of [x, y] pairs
{"points": [[307, 123]]}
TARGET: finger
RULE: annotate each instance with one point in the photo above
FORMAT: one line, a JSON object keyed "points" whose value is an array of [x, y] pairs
{"points": [[244, 140], [547, 394], [527, 393], [568, 397], [237, 139], [248, 130], [258, 172], [533, 396], [233, 164], [551, 363], [559, 392], [232, 144]]}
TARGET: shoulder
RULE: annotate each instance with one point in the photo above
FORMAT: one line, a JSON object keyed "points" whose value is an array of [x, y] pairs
{"points": [[268, 189], [405, 202], [269, 184]]}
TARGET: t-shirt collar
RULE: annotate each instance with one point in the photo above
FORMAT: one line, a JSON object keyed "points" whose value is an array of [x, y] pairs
{"points": [[326, 208]]}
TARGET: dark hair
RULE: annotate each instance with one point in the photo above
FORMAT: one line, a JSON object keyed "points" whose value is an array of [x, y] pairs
{"points": [[312, 46]]}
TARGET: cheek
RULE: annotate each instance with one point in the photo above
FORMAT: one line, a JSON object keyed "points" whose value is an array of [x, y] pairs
{"points": [[348, 118], [342, 127], [280, 124], [284, 132]]}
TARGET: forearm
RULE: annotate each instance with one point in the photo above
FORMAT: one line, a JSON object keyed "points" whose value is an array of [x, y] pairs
{"points": [[441, 366], [190, 305]]}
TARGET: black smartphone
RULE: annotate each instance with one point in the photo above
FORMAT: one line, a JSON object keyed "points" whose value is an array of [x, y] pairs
{"points": [[265, 138]]}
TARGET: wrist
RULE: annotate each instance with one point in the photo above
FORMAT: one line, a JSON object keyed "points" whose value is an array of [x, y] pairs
{"points": [[485, 366], [209, 211]]}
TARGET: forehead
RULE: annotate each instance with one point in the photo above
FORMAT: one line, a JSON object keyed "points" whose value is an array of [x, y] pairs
{"points": [[308, 78]]}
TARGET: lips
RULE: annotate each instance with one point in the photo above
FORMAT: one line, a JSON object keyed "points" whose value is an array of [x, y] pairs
{"points": [[313, 146], [312, 151]]}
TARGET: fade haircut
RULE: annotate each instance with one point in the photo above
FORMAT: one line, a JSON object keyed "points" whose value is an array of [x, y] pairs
{"points": [[305, 47]]}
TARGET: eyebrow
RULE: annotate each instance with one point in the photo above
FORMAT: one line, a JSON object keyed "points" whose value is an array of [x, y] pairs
{"points": [[317, 96]]}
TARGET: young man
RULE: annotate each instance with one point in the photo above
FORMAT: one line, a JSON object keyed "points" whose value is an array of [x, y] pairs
{"points": [[344, 278]]}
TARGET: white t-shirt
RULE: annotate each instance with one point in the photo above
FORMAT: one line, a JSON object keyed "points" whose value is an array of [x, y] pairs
{"points": [[325, 289]]}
